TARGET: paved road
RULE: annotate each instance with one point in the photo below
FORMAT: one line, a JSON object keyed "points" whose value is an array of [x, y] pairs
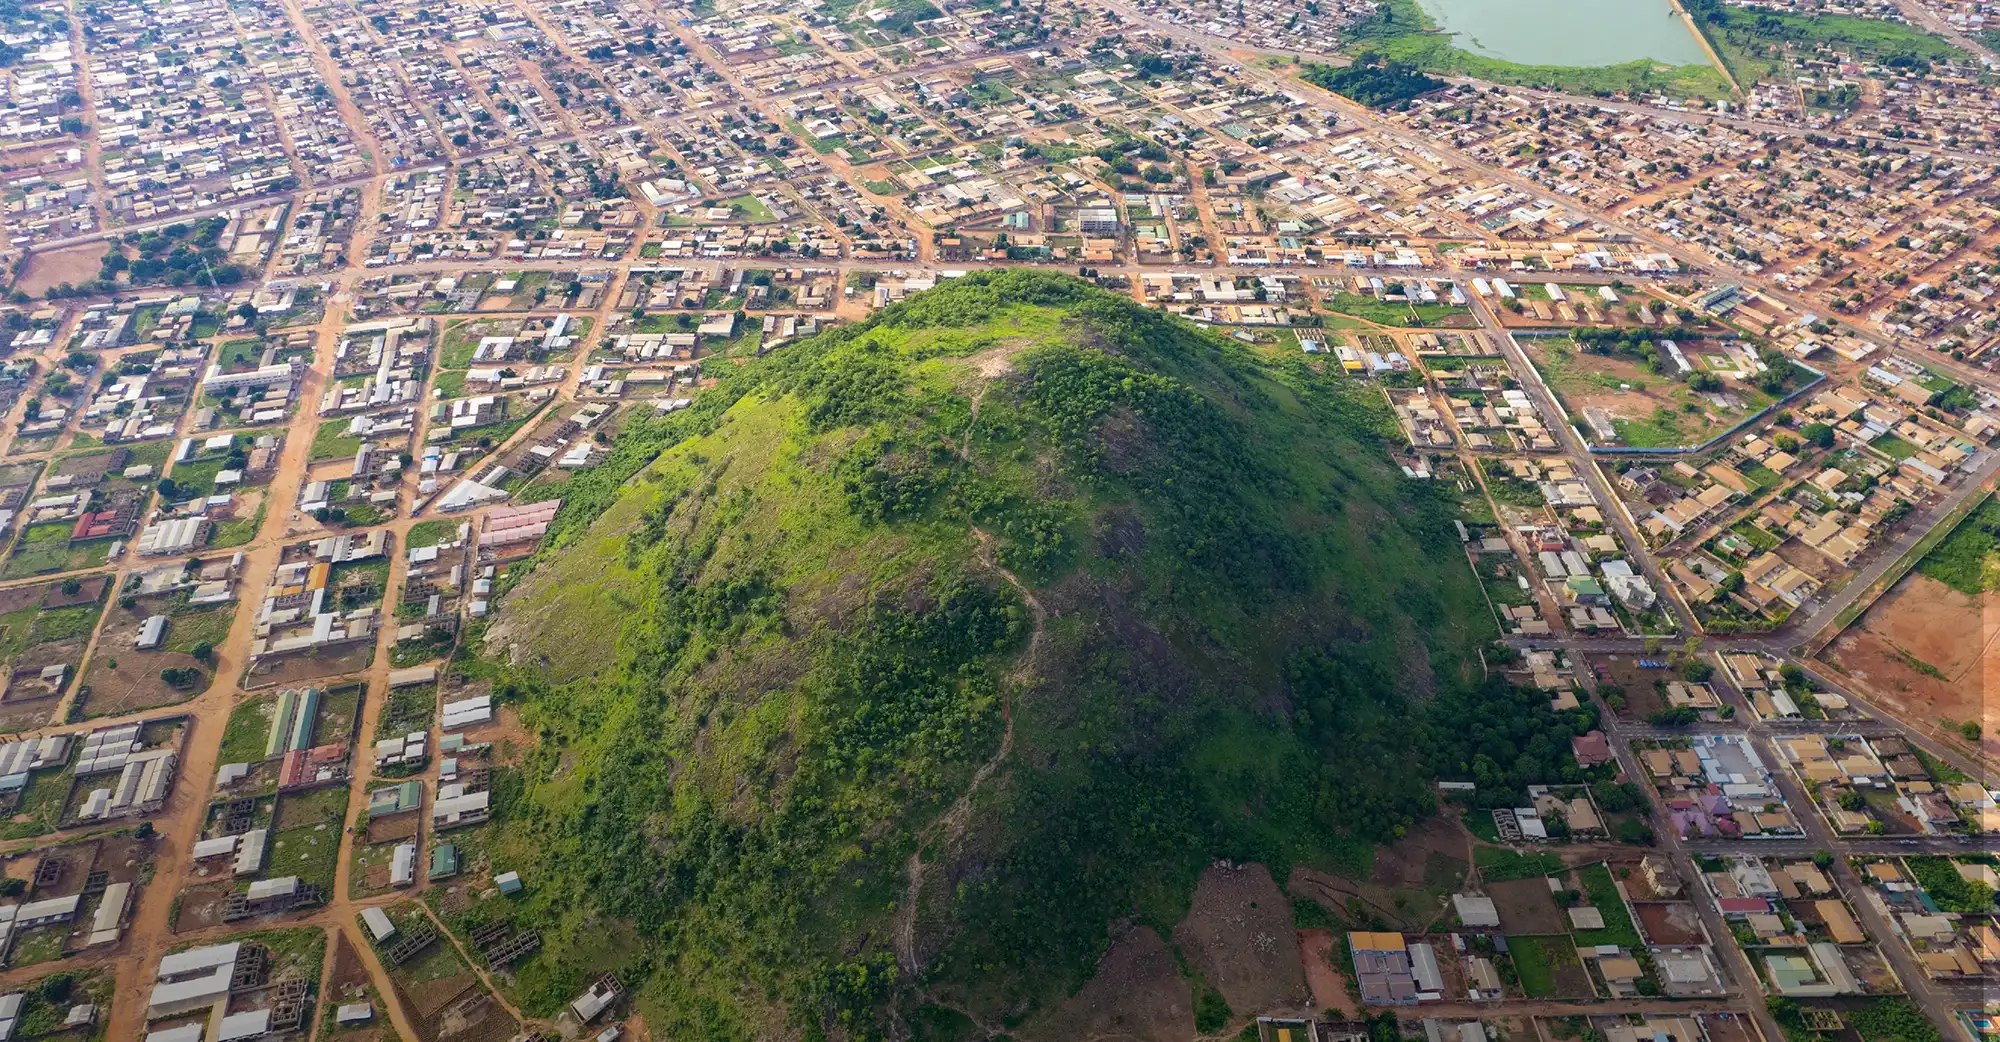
{"points": [[1586, 465]]}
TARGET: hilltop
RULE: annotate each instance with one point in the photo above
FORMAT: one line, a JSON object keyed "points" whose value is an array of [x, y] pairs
{"points": [[914, 657]]}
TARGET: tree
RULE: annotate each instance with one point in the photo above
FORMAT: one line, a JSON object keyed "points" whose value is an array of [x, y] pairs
{"points": [[203, 651], [13, 887], [1211, 1011], [1823, 859], [1970, 730], [1819, 434], [71, 587], [55, 988]]}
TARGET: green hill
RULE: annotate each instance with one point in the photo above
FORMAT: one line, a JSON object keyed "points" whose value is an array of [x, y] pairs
{"points": [[883, 681]]}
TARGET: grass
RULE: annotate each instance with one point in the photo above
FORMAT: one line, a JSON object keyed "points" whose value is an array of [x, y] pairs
{"points": [[1603, 891], [1479, 822], [1499, 865], [237, 531], [248, 729], [40, 807], [1913, 559], [1390, 313], [1535, 962], [1893, 447], [1743, 36], [196, 479], [752, 209], [33, 947], [332, 441], [187, 629], [1756, 535], [1960, 559], [239, 354], [46, 548], [430, 533], [59, 624]]}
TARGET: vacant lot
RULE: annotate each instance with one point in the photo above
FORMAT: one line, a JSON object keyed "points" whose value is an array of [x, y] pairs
{"points": [[1645, 409], [1526, 907], [1924, 652], [45, 270], [1549, 967], [123, 679], [1669, 922], [1137, 993]]}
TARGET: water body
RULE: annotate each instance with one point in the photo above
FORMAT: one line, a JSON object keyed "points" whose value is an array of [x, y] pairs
{"points": [[1572, 33]]}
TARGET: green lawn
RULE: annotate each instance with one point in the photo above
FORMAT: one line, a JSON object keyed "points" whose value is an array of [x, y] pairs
{"points": [[752, 209], [1961, 560], [240, 354], [1893, 447], [196, 480], [211, 627]]}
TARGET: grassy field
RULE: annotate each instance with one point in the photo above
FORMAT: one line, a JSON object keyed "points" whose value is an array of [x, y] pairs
{"points": [[430, 533], [1498, 865], [1535, 962], [249, 727], [46, 548], [1603, 891], [237, 531], [1647, 410], [1389, 313], [332, 441], [1963, 560]]}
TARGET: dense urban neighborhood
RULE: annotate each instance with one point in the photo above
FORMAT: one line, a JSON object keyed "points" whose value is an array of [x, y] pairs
{"points": [[322, 321]]}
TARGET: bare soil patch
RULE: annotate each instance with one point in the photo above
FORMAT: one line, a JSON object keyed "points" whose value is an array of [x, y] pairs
{"points": [[1927, 653], [1526, 908], [1137, 993], [349, 983], [1329, 986], [1669, 922], [123, 679], [1431, 855], [72, 264], [297, 669], [1728, 1027], [1238, 934], [201, 907], [25, 714], [1642, 699]]}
